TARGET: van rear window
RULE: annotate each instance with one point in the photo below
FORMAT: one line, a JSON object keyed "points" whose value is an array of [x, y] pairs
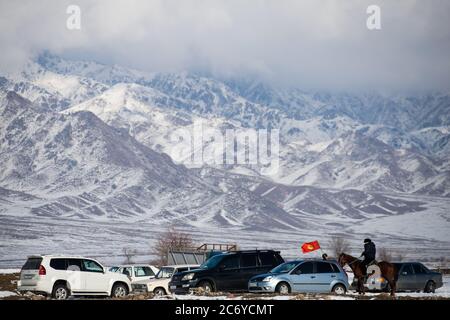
{"points": [[32, 264]]}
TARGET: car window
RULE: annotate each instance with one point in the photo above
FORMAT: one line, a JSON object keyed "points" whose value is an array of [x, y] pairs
{"points": [[143, 272], [165, 273], [304, 268], [407, 269], [212, 262], [268, 259], [418, 269], [58, 264], [74, 264], [284, 267], [335, 268], [32, 264], [230, 262], [91, 266], [248, 260], [126, 271], [324, 267]]}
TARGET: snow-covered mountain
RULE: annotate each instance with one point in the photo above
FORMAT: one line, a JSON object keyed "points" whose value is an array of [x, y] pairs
{"points": [[79, 139]]}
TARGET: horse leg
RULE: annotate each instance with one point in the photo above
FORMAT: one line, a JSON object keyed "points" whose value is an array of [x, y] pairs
{"points": [[360, 286], [393, 285], [363, 289]]}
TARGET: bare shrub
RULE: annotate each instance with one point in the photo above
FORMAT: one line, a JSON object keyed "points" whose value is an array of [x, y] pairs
{"points": [[338, 245], [171, 239], [129, 255], [384, 254]]}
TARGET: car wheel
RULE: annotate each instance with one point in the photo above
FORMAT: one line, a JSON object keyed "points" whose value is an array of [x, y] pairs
{"points": [[206, 286], [339, 289], [119, 290], [430, 287], [159, 292], [283, 288], [60, 292]]}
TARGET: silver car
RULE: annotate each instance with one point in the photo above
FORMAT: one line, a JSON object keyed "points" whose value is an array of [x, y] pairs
{"points": [[316, 276], [412, 276]]}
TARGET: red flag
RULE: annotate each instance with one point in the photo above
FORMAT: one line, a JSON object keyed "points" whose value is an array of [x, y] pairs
{"points": [[310, 246]]}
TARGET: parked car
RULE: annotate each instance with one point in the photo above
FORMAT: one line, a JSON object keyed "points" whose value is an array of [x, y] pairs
{"points": [[412, 276], [302, 276], [226, 272], [160, 284], [63, 276], [137, 272]]}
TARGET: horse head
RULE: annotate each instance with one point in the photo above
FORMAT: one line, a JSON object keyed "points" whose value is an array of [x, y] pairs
{"points": [[342, 260]]}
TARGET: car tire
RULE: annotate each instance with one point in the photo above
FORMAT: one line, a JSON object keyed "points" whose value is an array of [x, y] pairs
{"points": [[60, 292], [160, 292], [119, 290], [339, 289], [283, 288], [430, 287], [206, 286]]}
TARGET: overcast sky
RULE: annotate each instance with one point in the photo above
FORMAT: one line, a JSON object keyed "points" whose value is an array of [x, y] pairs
{"points": [[308, 44]]}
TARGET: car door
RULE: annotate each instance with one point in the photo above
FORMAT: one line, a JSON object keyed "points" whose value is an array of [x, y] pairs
{"points": [[325, 275], [75, 276], [249, 266], [227, 275], [406, 278], [303, 278], [421, 276], [96, 281]]}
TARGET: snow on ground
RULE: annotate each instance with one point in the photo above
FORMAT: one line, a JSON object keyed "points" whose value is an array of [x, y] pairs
{"points": [[7, 271], [4, 294]]}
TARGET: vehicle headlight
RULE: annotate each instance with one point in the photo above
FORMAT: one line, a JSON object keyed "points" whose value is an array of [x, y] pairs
{"points": [[267, 279], [188, 276], [381, 280]]}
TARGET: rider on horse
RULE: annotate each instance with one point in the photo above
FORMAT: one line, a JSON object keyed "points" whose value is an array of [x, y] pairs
{"points": [[369, 253]]}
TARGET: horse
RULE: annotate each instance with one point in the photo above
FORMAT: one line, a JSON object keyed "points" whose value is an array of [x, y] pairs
{"points": [[388, 272]]}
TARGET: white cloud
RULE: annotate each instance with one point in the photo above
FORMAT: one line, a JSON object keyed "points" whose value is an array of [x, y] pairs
{"points": [[311, 43]]}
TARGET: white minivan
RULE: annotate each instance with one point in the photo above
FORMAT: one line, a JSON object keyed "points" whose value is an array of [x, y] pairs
{"points": [[63, 276]]}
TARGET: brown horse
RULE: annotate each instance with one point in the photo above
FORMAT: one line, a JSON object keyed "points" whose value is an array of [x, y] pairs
{"points": [[388, 271]]}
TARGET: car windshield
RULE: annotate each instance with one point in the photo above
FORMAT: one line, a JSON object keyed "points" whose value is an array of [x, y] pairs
{"points": [[284, 267], [212, 262], [165, 272]]}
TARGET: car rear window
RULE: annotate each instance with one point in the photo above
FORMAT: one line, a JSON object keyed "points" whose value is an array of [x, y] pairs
{"points": [[248, 260], [335, 268], [32, 264], [419, 269], [268, 259], [58, 264], [324, 267], [74, 264]]}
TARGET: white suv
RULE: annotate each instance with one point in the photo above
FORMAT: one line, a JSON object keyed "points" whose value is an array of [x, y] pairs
{"points": [[62, 276], [160, 284], [137, 272]]}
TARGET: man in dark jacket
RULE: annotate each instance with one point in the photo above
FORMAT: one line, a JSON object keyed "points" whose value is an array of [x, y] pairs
{"points": [[370, 252]]}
